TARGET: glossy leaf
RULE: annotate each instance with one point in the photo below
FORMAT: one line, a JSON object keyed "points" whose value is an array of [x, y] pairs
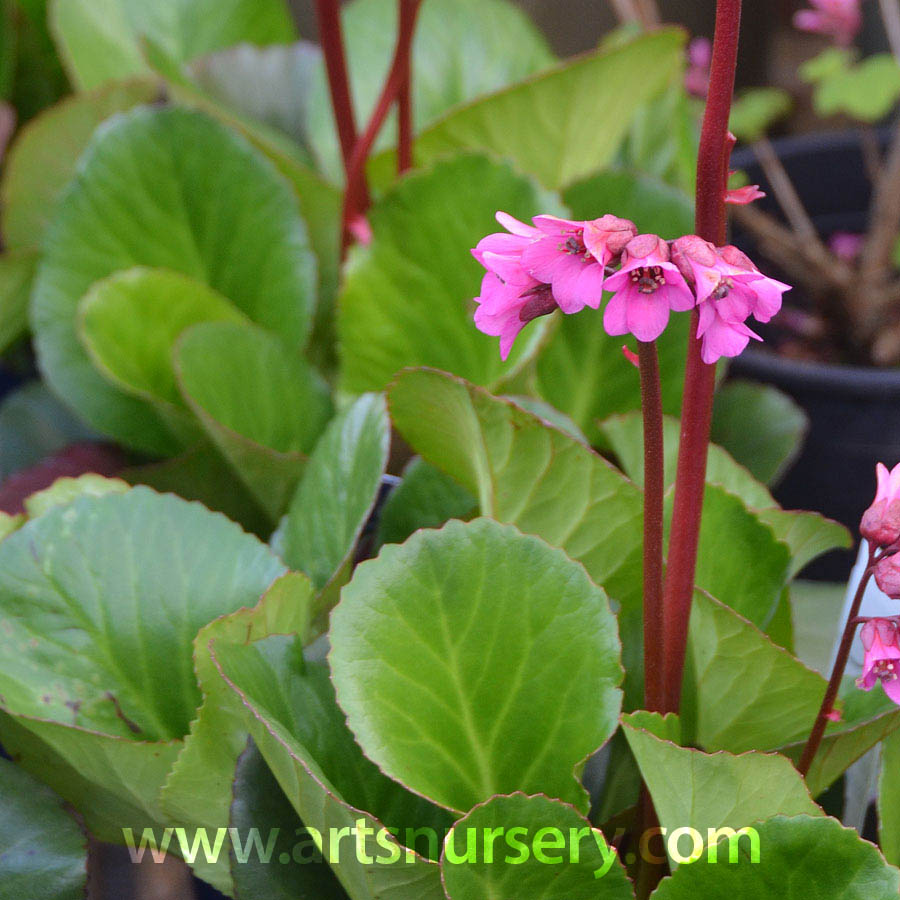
{"points": [[100, 40], [567, 123], [262, 405], [450, 655], [798, 858], [102, 599], [408, 297], [691, 789], [289, 707], [336, 495], [42, 159], [544, 849], [762, 428], [214, 211], [43, 852]]}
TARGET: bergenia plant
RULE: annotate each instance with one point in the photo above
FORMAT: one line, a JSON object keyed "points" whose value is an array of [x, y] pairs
{"points": [[306, 590]]}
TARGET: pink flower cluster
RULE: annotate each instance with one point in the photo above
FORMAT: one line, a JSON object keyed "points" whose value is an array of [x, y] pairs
{"points": [[880, 526], [839, 19], [532, 270]]}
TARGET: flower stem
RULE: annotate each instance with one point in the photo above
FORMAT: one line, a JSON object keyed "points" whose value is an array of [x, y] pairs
{"points": [[837, 672], [405, 112], [356, 197], [700, 378], [654, 489], [331, 35]]}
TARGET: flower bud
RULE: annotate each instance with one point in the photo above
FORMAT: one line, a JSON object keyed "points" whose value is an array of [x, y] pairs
{"points": [[887, 576], [880, 524]]}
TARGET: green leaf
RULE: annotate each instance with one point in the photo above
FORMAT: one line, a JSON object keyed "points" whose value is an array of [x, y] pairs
{"points": [[546, 849], [755, 111], [64, 490], [100, 40], [889, 799], [213, 210], [462, 49], [762, 428], [34, 425], [624, 434], [583, 373], [526, 473], [17, 270], [425, 498], [262, 405], [42, 159], [129, 324], [102, 599], [450, 655], [866, 91], [260, 806], [797, 858], [567, 123], [654, 206], [407, 299], [336, 496], [705, 791], [730, 533], [44, 852], [289, 707], [198, 792], [270, 85], [833, 61], [866, 719], [745, 693], [806, 534]]}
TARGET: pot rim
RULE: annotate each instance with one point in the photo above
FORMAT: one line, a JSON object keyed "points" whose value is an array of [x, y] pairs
{"points": [[844, 379]]}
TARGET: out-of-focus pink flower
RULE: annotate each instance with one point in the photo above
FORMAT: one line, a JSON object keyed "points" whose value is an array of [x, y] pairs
{"points": [[699, 56], [839, 19], [880, 641], [846, 244], [729, 290], [744, 195], [834, 715], [510, 298], [646, 289], [881, 521], [572, 257]]}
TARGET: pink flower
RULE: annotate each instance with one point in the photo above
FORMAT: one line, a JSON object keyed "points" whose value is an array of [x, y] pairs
{"points": [[744, 195], [572, 257], [880, 640], [841, 19], [504, 308], [645, 289], [881, 521], [510, 298], [846, 245], [729, 290], [696, 78]]}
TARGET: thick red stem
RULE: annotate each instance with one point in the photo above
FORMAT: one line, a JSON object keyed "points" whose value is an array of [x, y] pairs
{"points": [[356, 197], [699, 386], [405, 114], [837, 673], [654, 490], [331, 35]]}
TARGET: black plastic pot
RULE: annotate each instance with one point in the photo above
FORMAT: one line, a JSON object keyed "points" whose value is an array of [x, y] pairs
{"points": [[854, 412]]}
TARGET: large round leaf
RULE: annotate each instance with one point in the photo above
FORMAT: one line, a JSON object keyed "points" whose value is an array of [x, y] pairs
{"points": [[796, 859], [476, 660], [167, 188], [530, 848], [100, 601]]}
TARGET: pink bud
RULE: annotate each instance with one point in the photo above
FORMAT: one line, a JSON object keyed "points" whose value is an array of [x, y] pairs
{"points": [[744, 195], [887, 576], [881, 521]]}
